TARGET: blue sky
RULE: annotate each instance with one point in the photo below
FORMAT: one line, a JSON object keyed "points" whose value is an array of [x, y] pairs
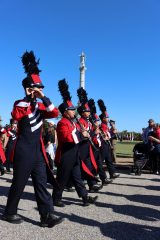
{"points": [[121, 39]]}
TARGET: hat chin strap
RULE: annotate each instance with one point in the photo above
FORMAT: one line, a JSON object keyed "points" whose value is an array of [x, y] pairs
{"points": [[68, 116]]}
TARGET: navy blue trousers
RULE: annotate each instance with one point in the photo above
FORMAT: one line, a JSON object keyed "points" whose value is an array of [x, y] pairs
{"points": [[69, 168], [101, 171], [84, 152], [25, 167], [107, 156], [9, 149]]}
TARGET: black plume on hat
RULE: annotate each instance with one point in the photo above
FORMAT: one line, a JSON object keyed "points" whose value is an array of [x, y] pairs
{"points": [[92, 106], [94, 117], [83, 99], [31, 69], [30, 64], [82, 95], [67, 104], [103, 109], [102, 106], [63, 89]]}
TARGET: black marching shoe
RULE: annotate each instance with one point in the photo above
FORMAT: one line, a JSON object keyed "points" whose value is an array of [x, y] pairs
{"points": [[14, 218], [50, 220], [114, 175], [58, 203], [106, 181], [138, 172], [89, 200], [95, 188], [69, 189], [2, 172]]}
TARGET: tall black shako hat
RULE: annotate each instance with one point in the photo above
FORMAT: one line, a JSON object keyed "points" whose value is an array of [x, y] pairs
{"points": [[83, 100], [92, 106], [103, 109], [31, 69], [67, 104]]}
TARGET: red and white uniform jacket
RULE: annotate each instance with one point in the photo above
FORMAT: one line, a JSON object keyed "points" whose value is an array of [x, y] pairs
{"points": [[11, 133], [2, 154], [86, 148], [97, 139], [105, 129], [68, 135], [30, 117]]}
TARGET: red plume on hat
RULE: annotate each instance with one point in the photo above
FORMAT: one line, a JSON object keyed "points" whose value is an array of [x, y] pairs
{"points": [[103, 109], [83, 99], [31, 69], [64, 91]]}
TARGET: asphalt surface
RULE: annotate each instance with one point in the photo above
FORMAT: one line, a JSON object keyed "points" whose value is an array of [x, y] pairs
{"points": [[129, 208]]}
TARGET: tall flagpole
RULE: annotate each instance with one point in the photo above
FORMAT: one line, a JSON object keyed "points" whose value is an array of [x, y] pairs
{"points": [[82, 69]]}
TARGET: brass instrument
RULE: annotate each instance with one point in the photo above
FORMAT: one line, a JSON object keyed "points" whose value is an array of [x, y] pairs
{"points": [[89, 137], [102, 133]]}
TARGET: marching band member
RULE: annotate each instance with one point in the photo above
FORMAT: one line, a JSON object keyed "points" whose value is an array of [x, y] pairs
{"points": [[29, 154], [86, 151], [2, 153], [114, 137], [12, 135], [106, 144], [97, 139], [67, 154]]}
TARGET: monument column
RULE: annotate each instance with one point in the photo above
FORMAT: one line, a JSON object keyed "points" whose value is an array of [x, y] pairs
{"points": [[82, 69]]}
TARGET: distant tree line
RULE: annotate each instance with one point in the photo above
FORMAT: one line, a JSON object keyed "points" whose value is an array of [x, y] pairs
{"points": [[130, 136]]}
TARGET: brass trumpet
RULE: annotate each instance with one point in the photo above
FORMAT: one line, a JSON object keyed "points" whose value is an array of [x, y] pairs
{"points": [[89, 137]]}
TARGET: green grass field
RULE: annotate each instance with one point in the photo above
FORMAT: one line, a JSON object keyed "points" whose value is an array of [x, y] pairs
{"points": [[125, 148]]}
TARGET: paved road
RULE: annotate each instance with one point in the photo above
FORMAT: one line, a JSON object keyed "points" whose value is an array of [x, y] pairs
{"points": [[129, 208]]}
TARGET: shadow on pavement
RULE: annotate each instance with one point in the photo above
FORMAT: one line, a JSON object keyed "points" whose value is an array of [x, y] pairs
{"points": [[117, 230], [145, 199], [26, 195], [6, 179], [143, 213], [131, 176], [154, 188]]}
